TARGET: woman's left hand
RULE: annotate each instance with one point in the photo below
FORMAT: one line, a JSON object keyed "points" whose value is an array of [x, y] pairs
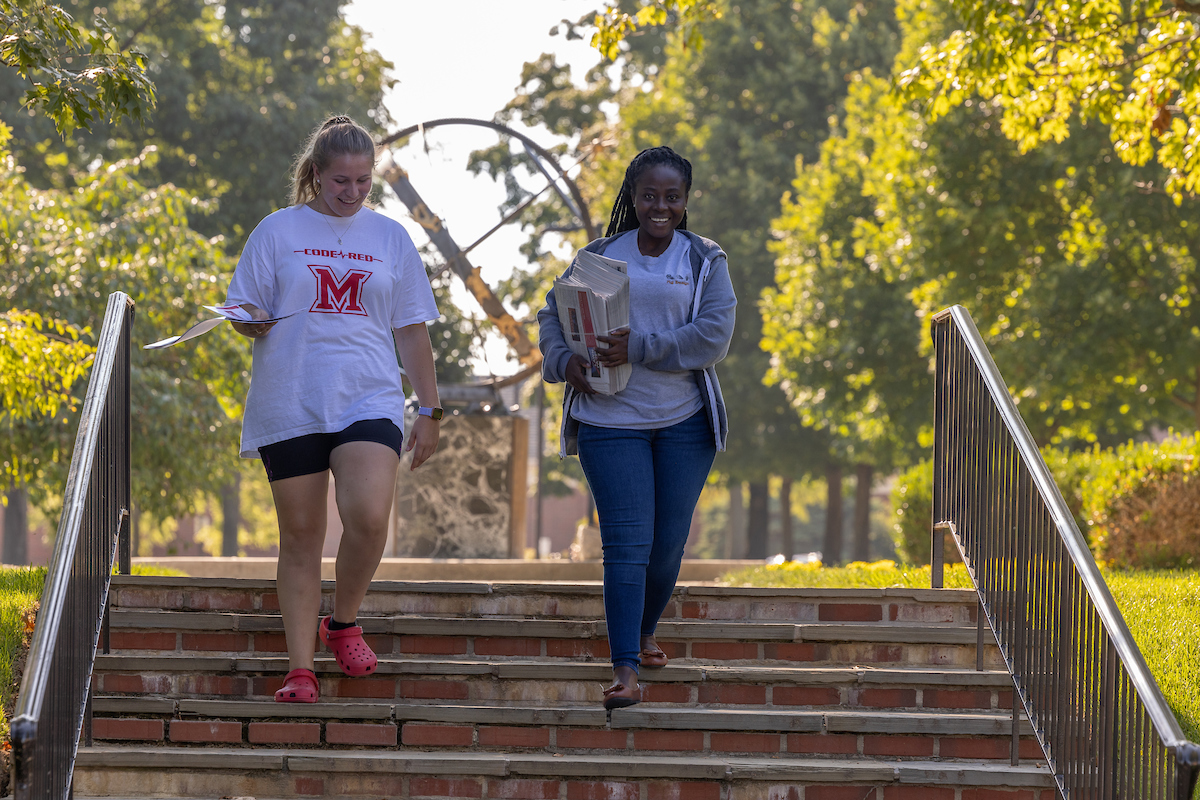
{"points": [[424, 440], [617, 352]]}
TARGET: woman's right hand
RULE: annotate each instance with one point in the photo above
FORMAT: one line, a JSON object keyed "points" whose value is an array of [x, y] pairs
{"points": [[577, 369], [253, 330]]}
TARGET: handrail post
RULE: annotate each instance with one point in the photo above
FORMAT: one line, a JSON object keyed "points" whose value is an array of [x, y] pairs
{"points": [[937, 558]]}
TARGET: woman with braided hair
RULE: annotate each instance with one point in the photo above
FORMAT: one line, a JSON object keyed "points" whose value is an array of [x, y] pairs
{"points": [[646, 451], [325, 392]]}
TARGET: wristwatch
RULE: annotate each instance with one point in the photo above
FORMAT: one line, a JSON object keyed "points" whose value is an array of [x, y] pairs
{"points": [[432, 413]]}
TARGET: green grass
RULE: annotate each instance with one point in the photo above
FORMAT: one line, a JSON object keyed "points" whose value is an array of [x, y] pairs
{"points": [[1162, 609], [20, 589], [856, 575], [154, 569]]}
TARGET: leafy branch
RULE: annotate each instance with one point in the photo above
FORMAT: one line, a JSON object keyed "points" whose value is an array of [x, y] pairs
{"points": [[614, 25], [76, 74]]}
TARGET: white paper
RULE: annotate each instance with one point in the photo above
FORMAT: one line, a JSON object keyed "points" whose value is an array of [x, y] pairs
{"points": [[228, 314], [594, 301]]}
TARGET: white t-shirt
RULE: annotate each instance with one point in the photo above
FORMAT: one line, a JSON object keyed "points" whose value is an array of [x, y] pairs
{"points": [[660, 299], [334, 363]]}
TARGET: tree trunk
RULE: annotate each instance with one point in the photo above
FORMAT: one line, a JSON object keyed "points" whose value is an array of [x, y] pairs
{"points": [[231, 516], [832, 552], [756, 529], [864, 476], [735, 537], [787, 539], [16, 528]]}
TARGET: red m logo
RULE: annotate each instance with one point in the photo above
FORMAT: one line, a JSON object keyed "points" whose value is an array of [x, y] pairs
{"points": [[339, 296]]}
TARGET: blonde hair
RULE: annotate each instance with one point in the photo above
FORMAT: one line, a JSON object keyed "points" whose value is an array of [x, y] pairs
{"points": [[336, 136]]}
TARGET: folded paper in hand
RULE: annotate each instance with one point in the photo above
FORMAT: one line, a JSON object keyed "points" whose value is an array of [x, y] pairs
{"points": [[228, 314], [593, 299]]}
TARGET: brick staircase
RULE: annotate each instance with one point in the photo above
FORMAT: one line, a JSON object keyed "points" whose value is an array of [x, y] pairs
{"points": [[493, 690]]}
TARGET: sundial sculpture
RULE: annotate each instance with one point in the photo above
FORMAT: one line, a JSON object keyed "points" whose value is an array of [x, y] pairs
{"points": [[456, 257]]}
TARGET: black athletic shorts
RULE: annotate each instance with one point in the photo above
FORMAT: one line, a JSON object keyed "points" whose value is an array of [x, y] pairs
{"points": [[306, 455]]}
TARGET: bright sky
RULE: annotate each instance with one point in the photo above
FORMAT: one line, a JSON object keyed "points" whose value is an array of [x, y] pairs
{"points": [[463, 58]]}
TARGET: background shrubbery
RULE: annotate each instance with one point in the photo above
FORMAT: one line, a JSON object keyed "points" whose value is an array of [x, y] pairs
{"points": [[1138, 505]]}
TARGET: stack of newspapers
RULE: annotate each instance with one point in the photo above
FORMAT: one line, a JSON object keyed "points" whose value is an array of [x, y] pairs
{"points": [[594, 300]]}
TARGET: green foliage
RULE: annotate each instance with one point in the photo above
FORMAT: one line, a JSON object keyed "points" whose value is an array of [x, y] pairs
{"points": [[838, 323], [912, 501], [75, 75], [1128, 66], [855, 575], [1052, 251], [40, 360], [1142, 503], [64, 252], [239, 86], [912, 514], [614, 25]]}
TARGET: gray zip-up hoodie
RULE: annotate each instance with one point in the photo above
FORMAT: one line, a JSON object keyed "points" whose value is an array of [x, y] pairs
{"points": [[697, 346]]}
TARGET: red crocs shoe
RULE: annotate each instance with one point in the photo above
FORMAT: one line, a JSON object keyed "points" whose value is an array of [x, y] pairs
{"points": [[353, 655], [299, 686]]}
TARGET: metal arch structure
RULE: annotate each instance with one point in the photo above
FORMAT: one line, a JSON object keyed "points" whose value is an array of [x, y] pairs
{"points": [[456, 257]]}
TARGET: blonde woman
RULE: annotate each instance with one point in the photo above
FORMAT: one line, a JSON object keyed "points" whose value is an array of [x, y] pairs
{"points": [[325, 392]]}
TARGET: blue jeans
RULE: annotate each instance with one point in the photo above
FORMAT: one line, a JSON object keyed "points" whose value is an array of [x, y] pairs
{"points": [[646, 484]]}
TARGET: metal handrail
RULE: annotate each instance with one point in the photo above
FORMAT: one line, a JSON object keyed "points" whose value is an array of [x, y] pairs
{"points": [[55, 690], [1076, 669]]}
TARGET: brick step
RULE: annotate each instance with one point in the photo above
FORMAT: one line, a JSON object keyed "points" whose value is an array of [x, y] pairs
{"points": [[106, 771], [426, 680], [568, 729], [565, 600], [494, 637]]}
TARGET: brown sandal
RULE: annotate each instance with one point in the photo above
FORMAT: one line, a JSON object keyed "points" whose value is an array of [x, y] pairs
{"points": [[654, 659], [621, 696]]}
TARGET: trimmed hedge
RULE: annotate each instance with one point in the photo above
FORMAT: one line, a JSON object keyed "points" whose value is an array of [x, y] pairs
{"points": [[1138, 506], [1142, 503]]}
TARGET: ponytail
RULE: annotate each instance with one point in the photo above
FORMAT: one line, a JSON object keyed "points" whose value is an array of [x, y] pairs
{"points": [[336, 136]]}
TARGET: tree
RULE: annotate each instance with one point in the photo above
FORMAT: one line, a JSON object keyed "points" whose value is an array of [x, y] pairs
{"points": [[239, 86], [73, 74], [65, 250], [1127, 66], [838, 324], [1054, 252]]}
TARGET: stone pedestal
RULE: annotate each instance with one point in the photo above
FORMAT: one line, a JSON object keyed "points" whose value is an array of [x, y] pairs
{"points": [[468, 500]]}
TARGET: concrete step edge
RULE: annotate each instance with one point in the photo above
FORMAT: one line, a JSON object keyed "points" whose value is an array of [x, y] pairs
{"points": [[571, 670], [948, 722], [684, 590], [401, 625], [709, 767]]}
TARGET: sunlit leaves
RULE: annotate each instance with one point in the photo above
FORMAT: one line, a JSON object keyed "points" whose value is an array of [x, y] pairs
{"points": [[75, 75], [614, 25], [1128, 65], [40, 360]]}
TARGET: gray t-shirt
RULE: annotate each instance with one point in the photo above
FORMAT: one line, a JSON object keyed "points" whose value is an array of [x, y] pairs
{"points": [[660, 299]]}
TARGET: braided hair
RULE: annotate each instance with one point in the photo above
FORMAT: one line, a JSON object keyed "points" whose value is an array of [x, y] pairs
{"points": [[336, 136], [624, 218]]}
